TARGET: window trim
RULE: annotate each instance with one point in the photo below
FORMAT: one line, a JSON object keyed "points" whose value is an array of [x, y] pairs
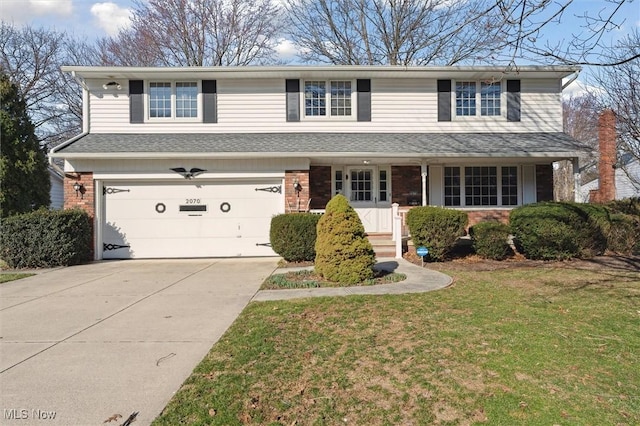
{"points": [[478, 98], [173, 118], [328, 116], [463, 186]]}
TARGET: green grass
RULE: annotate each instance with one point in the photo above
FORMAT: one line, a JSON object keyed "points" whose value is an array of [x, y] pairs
{"points": [[544, 346], [6, 277]]}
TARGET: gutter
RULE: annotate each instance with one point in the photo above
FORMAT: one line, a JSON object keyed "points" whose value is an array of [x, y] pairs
{"points": [[573, 78], [52, 151]]}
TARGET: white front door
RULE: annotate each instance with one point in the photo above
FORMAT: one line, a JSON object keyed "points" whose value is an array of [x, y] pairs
{"points": [[369, 192]]}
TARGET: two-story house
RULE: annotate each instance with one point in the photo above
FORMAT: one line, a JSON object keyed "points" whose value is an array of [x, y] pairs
{"points": [[194, 162]]}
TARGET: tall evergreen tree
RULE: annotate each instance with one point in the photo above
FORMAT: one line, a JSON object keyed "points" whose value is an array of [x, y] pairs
{"points": [[24, 178]]}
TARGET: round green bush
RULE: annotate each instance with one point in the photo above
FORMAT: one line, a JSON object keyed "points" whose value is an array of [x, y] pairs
{"points": [[436, 228], [490, 240], [293, 236], [343, 252], [557, 231]]}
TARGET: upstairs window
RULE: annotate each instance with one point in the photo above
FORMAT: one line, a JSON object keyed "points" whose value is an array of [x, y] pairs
{"points": [[468, 97], [173, 99], [328, 98]]}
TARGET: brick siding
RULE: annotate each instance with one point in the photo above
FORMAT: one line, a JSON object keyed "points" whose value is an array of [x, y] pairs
{"points": [[544, 182], [320, 186], [406, 185], [296, 200], [84, 200]]}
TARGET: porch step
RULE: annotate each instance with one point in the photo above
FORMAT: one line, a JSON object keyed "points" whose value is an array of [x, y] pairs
{"points": [[383, 245]]}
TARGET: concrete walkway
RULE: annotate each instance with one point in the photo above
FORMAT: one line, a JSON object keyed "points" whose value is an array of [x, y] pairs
{"points": [[418, 280], [79, 345]]}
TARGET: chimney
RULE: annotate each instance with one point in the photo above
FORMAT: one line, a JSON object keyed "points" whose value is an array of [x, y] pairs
{"points": [[608, 158]]}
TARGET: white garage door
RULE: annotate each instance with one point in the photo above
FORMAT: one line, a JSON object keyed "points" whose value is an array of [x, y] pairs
{"points": [[189, 219]]}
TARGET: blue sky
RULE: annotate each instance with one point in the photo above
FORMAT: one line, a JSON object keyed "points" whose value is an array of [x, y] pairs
{"points": [[92, 19]]}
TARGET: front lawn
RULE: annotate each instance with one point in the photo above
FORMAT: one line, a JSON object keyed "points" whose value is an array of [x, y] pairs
{"points": [[5, 278], [542, 346]]}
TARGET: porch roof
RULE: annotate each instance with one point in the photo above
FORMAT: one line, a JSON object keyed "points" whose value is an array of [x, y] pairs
{"points": [[302, 145]]}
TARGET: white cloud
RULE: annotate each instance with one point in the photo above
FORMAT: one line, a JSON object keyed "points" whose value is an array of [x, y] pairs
{"points": [[286, 49], [21, 11], [111, 17]]}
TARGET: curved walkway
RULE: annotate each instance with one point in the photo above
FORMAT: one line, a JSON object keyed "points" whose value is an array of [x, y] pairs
{"points": [[419, 280]]}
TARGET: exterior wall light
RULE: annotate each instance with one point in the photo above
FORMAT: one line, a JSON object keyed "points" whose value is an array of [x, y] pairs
{"points": [[112, 84], [296, 186], [79, 188]]}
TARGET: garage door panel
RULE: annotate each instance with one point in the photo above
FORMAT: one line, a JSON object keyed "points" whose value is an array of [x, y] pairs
{"points": [[146, 221]]}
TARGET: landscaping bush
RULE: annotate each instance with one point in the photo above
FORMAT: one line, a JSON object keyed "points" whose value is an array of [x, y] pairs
{"points": [[293, 236], [623, 234], [490, 240], [343, 252], [436, 228], [557, 231], [630, 206], [46, 238]]}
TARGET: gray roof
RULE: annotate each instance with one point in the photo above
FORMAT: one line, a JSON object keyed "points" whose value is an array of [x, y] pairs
{"points": [[324, 144]]}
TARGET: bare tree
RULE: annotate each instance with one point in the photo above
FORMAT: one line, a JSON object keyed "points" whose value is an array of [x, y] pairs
{"points": [[580, 121], [396, 32], [196, 33], [619, 89], [32, 57], [448, 32]]}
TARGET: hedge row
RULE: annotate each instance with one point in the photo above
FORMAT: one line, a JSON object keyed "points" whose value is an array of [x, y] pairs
{"points": [[46, 238], [556, 231]]}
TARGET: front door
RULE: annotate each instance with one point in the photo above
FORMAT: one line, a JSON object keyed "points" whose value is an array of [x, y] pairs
{"points": [[369, 192]]}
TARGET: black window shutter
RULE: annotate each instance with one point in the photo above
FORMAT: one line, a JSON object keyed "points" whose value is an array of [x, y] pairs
{"points": [[513, 100], [364, 99], [209, 101], [444, 100], [293, 100], [136, 101]]}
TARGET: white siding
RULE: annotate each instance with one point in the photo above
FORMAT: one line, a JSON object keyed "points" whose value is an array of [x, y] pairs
{"points": [[628, 187], [57, 191], [397, 105]]}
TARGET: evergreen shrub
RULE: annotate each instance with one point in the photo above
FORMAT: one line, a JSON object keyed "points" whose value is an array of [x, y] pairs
{"points": [[436, 228], [343, 252], [490, 240], [46, 238], [559, 230], [293, 236]]}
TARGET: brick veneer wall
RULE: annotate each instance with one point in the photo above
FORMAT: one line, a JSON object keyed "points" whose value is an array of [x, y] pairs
{"points": [[320, 186], [476, 216], [84, 200], [544, 182], [406, 185], [296, 200]]}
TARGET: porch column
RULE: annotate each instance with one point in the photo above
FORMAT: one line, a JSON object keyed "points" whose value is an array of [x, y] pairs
{"points": [[577, 182], [424, 182]]}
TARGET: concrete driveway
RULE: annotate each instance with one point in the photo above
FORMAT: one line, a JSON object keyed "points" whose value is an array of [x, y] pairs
{"points": [[79, 345]]}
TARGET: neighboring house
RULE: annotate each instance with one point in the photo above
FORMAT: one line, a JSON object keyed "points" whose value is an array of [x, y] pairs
{"points": [[194, 162], [56, 193], [627, 181], [619, 176]]}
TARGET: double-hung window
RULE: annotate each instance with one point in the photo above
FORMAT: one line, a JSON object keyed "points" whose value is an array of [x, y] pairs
{"points": [[468, 97], [333, 98], [478, 186], [173, 99]]}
